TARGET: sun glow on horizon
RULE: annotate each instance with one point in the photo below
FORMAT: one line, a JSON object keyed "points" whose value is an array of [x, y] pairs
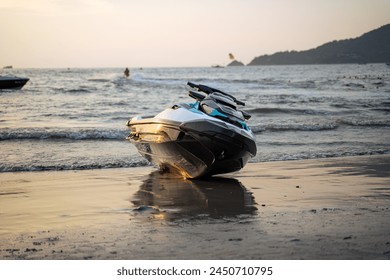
{"points": [[103, 33]]}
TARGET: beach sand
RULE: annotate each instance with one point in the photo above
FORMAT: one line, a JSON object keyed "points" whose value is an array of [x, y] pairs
{"points": [[337, 208]]}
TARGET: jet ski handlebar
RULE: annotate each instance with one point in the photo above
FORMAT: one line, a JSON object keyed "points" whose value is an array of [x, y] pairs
{"points": [[209, 90], [196, 95]]}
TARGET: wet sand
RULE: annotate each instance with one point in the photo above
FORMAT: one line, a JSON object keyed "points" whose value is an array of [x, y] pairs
{"points": [[335, 208]]}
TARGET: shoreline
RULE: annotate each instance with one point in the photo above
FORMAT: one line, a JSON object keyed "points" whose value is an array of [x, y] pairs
{"points": [[332, 208]]}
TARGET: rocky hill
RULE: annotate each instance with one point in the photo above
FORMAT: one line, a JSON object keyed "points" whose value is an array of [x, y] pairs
{"points": [[371, 47], [236, 63]]}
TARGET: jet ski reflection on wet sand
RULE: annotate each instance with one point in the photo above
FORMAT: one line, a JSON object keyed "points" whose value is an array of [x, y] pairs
{"points": [[207, 137], [172, 198]]}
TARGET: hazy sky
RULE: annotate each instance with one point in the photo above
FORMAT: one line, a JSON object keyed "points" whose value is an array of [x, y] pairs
{"points": [[148, 33]]}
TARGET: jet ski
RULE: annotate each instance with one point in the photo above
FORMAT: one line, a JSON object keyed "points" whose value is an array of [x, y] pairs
{"points": [[203, 138]]}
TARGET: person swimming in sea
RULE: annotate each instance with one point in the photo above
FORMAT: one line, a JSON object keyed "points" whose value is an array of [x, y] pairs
{"points": [[126, 72]]}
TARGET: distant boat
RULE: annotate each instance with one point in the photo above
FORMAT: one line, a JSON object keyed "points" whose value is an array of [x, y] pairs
{"points": [[12, 82], [217, 66], [7, 67]]}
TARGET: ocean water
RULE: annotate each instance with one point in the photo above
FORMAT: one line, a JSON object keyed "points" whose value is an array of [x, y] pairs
{"points": [[66, 119]]}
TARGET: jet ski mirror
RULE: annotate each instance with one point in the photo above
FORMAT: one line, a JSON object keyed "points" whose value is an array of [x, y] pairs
{"points": [[196, 95], [246, 115]]}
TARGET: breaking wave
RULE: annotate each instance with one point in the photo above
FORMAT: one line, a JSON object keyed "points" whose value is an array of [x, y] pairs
{"points": [[293, 127], [137, 162], [274, 110], [62, 133], [329, 125]]}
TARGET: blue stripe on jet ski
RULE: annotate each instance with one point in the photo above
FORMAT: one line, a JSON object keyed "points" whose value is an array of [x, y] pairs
{"points": [[215, 113]]}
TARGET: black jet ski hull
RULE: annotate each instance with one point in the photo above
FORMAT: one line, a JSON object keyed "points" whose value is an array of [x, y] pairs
{"points": [[193, 149]]}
